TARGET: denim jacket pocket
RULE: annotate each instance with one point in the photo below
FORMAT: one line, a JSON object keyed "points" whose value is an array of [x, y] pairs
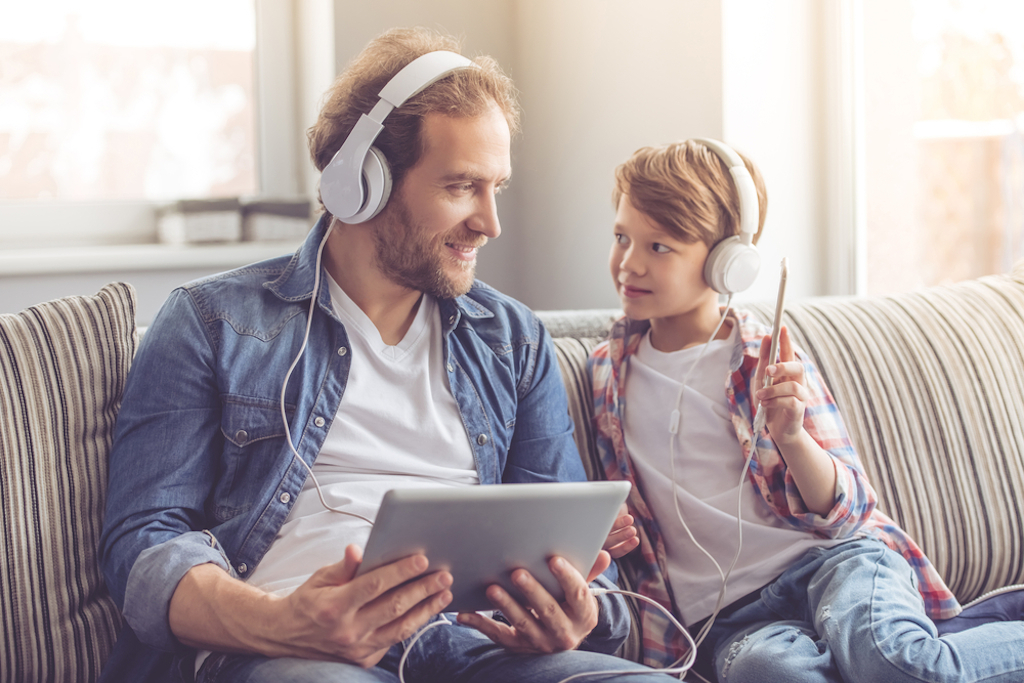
{"points": [[254, 433]]}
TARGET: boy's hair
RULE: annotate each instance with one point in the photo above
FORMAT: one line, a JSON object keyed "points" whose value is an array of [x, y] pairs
{"points": [[687, 189], [463, 93]]}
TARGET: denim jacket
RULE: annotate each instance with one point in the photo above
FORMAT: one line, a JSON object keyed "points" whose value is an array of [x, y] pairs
{"points": [[200, 469]]}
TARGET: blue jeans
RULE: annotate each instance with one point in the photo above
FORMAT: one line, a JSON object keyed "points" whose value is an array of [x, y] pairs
{"points": [[449, 654], [852, 613]]}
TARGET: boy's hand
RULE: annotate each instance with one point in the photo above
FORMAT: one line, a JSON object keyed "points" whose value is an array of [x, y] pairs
{"points": [[622, 539], [786, 398]]}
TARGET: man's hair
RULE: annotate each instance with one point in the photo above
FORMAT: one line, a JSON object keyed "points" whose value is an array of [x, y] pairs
{"points": [[687, 189], [463, 93]]}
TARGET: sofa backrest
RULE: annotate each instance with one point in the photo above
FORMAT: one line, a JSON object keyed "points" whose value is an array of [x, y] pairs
{"points": [[931, 386]]}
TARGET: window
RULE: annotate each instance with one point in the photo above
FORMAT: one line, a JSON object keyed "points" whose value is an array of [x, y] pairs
{"points": [[114, 100], [943, 142], [109, 107]]}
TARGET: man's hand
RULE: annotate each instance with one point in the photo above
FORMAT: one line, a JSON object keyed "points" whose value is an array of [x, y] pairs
{"points": [[543, 625], [622, 539], [333, 616]]}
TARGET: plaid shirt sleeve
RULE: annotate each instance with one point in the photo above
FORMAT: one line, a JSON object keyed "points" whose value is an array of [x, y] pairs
{"points": [[854, 513], [855, 498]]}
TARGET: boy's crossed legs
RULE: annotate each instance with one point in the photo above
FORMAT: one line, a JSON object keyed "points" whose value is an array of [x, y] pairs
{"points": [[852, 613]]}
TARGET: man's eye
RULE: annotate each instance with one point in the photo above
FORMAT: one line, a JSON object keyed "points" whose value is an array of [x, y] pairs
{"points": [[660, 248]]}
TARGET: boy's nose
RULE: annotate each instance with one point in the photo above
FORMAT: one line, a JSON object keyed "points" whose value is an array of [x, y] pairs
{"points": [[631, 262]]}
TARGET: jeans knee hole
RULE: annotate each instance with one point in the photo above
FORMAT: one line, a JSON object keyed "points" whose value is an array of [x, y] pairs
{"points": [[734, 650]]}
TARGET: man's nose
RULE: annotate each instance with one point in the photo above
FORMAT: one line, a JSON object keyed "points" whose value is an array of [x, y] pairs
{"points": [[485, 219]]}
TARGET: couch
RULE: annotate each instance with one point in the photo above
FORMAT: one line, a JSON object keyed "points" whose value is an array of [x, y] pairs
{"points": [[931, 384]]}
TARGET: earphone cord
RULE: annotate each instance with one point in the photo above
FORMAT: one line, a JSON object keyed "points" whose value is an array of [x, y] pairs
{"points": [[680, 666], [288, 375], [675, 427]]}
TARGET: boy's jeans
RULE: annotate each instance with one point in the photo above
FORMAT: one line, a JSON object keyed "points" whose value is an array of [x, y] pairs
{"points": [[851, 613], [454, 654]]}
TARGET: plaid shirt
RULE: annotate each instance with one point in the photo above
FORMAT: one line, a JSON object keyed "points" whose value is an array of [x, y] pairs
{"points": [[853, 516]]}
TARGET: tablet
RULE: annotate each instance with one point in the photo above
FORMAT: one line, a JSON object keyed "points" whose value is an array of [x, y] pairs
{"points": [[481, 533]]}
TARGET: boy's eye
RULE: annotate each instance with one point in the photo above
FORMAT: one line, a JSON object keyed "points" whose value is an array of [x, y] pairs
{"points": [[620, 238], [660, 248]]}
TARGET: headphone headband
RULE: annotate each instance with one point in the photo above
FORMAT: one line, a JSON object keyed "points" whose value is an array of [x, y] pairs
{"points": [[355, 185], [745, 188]]}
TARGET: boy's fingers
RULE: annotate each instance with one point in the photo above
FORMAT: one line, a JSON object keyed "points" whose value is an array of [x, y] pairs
{"points": [[785, 345]]}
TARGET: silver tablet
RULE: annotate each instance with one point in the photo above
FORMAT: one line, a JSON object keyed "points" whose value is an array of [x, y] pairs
{"points": [[481, 533]]}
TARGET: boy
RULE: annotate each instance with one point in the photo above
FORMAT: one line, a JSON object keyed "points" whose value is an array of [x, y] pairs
{"points": [[826, 588]]}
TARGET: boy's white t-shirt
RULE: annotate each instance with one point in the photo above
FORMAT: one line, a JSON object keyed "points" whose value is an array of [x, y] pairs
{"points": [[707, 484]]}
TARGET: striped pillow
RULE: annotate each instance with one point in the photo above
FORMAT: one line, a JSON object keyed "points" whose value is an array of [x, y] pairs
{"points": [[62, 369]]}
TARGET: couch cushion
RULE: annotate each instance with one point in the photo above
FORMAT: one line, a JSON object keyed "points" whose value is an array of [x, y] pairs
{"points": [[62, 369]]}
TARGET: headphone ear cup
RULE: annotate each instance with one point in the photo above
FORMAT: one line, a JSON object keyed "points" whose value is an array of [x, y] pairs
{"points": [[732, 266], [376, 179]]}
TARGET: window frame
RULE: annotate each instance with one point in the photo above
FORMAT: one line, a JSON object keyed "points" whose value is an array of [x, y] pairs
{"points": [[279, 146]]}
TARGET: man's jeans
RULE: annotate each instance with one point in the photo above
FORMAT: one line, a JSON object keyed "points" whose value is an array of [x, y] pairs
{"points": [[452, 654], [851, 613]]}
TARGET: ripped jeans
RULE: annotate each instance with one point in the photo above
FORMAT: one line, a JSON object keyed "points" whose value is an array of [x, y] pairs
{"points": [[851, 613]]}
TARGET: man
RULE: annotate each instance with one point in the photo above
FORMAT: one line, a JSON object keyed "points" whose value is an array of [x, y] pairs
{"points": [[222, 548]]}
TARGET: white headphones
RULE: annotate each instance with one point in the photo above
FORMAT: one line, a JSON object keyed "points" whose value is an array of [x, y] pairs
{"points": [[356, 184], [732, 265]]}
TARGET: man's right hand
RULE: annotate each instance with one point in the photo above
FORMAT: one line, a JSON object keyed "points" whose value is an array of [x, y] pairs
{"points": [[334, 615]]}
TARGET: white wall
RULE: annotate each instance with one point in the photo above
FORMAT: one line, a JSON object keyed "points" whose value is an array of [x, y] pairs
{"points": [[774, 96], [600, 79]]}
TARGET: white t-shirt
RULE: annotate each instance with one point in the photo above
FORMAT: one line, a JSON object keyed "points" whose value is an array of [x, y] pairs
{"points": [[707, 475], [397, 426]]}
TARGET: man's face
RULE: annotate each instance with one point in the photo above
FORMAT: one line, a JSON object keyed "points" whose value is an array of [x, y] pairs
{"points": [[444, 210]]}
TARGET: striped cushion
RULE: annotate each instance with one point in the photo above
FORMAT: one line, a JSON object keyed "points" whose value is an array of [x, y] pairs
{"points": [[62, 369]]}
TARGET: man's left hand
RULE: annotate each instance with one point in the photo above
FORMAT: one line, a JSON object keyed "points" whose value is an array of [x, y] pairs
{"points": [[541, 624]]}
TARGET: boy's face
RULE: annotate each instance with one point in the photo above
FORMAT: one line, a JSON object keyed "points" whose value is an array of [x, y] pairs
{"points": [[656, 274]]}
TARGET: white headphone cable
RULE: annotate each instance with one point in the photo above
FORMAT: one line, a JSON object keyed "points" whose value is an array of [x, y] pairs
{"points": [[288, 375], [675, 426], [680, 666]]}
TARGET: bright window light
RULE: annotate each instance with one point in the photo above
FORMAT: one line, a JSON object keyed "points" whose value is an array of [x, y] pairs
{"points": [[118, 100]]}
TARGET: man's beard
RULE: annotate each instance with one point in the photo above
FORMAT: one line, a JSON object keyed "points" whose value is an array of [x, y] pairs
{"points": [[405, 256]]}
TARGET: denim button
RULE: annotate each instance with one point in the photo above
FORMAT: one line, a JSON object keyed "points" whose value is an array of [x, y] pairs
{"points": [[241, 436], [482, 439], [451, 368], [243, 568], [319, 422], [285, 497], [451, 320], [342, 351]]}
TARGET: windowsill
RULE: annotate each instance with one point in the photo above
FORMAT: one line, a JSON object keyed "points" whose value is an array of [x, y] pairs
{"points": [[135, 257]]}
